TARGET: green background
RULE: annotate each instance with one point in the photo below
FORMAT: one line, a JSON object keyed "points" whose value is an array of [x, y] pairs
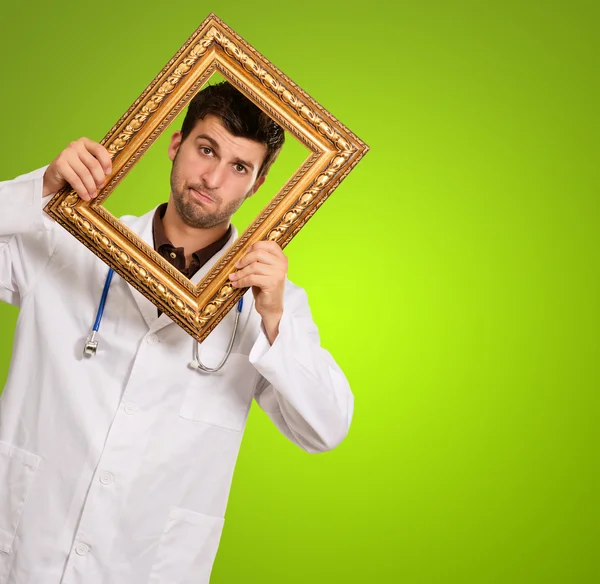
{"points": [[453, 274]]}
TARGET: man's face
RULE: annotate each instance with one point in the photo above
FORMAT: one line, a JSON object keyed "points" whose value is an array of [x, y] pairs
{"points": [[213, 172]]}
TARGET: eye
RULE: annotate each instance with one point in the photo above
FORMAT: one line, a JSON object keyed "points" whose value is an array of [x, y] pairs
{"points": [[206, 150], [240, 168]]}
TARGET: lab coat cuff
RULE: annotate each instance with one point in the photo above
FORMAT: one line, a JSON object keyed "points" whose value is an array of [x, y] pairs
{"points": [[263, 353], [22, 204]]}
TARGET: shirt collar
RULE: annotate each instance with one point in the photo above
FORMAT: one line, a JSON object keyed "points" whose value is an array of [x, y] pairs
{"points": [[160, 237]]}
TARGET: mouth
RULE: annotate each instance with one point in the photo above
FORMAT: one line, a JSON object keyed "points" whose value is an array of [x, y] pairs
{"points": [[201, 196]]}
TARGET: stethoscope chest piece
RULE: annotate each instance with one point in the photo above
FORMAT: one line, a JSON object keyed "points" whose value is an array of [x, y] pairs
{"points": [[91, 345]]}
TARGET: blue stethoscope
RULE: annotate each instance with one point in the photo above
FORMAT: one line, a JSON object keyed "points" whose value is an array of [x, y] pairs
{"points": [[91, 344]]}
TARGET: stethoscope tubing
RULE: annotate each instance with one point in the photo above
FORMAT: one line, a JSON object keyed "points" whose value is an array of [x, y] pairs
{"points": [[103, 300], [197, 364], [91, 344]]}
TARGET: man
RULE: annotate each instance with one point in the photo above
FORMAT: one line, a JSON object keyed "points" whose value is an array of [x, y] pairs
{"points": [[117, 468]]}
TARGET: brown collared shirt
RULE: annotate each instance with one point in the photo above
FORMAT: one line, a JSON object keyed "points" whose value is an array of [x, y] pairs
{"points": [[175, 255]]}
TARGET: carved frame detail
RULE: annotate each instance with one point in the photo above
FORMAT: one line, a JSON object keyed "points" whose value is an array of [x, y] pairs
{"points": [[212, 47]]}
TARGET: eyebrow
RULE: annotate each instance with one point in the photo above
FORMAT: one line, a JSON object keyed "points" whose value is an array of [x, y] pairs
{"points": [[215, 145]]}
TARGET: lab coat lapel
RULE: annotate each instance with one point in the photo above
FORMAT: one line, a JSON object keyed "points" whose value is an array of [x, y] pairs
{"points": [[142, 227]]}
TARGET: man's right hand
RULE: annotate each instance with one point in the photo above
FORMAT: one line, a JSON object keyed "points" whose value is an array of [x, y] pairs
{"points": [[84, 164]]}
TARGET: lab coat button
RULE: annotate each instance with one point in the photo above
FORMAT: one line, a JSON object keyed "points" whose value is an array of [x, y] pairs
{"points": [[152, 339], [82, 549], [130, 409], [106, 478]]}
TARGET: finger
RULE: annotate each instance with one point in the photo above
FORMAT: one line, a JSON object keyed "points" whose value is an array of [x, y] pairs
{"points": [[100, 153], [254, 268], [261, 256], [94, 166], [271, 247], [262, 282], [76, 184], [83, 174]]}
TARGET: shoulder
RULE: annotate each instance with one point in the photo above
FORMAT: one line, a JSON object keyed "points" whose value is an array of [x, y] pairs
{"points": [[293, 289], [295, 296], [130, 220]]}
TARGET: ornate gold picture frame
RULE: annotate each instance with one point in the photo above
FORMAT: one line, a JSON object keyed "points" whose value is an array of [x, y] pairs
{"points": [[213, 47]]}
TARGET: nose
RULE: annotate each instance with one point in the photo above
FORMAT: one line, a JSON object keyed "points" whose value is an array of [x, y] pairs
{"points": [[213, 175]]}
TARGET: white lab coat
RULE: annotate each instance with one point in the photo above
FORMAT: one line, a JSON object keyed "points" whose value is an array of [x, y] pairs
{"points": [[117, 469]]}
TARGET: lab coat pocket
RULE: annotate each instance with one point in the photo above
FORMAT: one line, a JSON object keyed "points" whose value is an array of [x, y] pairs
{"points": [[187, 548], [222, 398], [17, 471]]}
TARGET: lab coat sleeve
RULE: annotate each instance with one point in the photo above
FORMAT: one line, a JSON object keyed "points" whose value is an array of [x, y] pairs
{"points": [[301, 388], [26, 235]]}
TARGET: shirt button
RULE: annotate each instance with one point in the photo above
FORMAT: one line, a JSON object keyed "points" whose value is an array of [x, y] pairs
{"points": [[130, 409], [106, 478], [152, 339], [82, 549], [173, 255]]}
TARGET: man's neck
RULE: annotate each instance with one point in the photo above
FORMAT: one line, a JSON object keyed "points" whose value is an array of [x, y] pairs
{"points": [[191, 239]]}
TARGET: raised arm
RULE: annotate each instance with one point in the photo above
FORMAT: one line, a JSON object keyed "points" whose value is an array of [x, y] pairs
{"points": [[302, 389], [27, 239]]}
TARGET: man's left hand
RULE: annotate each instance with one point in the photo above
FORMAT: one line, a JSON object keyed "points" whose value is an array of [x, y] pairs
{"points": [[264, 268]]}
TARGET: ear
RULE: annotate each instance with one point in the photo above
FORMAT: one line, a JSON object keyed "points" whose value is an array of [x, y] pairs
{"points": [[257, 184], [174, 145]]}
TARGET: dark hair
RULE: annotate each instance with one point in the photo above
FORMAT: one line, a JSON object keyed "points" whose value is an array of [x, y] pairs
{"points": [[239, 115]]}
